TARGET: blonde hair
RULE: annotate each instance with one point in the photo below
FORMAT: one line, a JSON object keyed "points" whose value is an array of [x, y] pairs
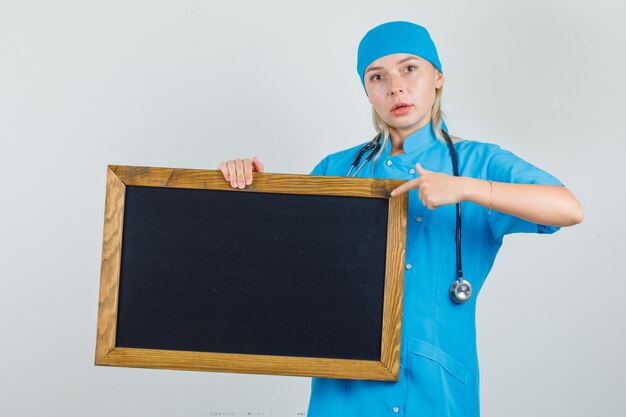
{"points": [[436, 119]]}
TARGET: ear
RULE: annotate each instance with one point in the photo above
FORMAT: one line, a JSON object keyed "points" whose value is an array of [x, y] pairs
{"points": [[438, 79]]}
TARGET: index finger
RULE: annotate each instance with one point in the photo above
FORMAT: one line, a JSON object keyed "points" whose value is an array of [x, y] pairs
{"points": [[409, 185], [223, 167]]}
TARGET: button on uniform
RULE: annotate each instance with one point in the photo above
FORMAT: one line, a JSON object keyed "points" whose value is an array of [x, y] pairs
{"points": [[389, 162], [419, 219], [395, 409], [409, 266], [411, 171]]}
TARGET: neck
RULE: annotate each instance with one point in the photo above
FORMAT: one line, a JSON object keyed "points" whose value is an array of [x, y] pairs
{"points": [[398, 135]]}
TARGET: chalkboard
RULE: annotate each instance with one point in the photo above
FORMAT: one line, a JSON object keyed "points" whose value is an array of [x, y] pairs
{"points": [[294, 275]]}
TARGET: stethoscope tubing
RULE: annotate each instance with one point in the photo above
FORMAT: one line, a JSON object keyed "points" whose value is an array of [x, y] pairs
{"points": [[460, 290]]}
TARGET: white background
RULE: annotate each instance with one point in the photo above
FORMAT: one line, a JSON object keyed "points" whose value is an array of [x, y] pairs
{"points": [[190, 83]]}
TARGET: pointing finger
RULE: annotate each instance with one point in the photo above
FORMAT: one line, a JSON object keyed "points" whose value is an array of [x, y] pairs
{"points": [[421, 170], [409, 185]]}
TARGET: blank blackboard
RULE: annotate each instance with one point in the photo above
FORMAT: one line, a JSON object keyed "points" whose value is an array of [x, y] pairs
{"points": [[261, 274]]}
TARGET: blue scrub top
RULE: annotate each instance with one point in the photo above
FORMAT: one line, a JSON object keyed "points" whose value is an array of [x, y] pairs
{"points": [[438, 360]]}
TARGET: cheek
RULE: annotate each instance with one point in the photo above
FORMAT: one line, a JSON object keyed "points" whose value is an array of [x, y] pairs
{"points": [[374, 89], [376, 98], [427, 95]]}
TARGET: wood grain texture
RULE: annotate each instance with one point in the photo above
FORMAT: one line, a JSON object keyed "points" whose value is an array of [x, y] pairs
{"points": [[243, 363], [108, 354], [394, 283], [110, 268], [262, 182]]}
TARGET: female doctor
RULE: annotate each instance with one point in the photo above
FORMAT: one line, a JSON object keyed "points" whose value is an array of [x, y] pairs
{"points": [[403, 78]]}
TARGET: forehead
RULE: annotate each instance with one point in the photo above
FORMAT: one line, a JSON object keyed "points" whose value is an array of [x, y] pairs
{"points": [[392, 60]]}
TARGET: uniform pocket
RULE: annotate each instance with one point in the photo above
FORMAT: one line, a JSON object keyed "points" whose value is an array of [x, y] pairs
{"points": [[438, 385], [447, 362]]}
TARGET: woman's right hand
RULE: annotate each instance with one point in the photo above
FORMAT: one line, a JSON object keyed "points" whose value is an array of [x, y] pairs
{"points": [[239, 171]]}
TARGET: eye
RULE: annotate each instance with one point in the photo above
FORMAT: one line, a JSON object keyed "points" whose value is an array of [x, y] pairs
{"points": [[376, 77], [410, 68]]}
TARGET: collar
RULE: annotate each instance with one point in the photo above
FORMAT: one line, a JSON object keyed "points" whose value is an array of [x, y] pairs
{"points": [[419, 140]]}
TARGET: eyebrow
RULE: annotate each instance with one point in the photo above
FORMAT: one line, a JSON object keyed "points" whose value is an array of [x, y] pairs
{"points": [[408, 58]]}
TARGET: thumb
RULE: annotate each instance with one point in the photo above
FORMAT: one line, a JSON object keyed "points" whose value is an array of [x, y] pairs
{"points": [[420, 170], [258, 166]]}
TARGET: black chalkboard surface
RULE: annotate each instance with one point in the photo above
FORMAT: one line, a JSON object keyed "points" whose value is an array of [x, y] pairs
{"points": [[248, 275], [271, 274]]}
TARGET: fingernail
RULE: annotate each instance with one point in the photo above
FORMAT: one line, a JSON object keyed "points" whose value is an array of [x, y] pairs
{"points": [[248, 181]]}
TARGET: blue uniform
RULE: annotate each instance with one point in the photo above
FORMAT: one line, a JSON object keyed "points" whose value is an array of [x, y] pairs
{"points": [[438, 360]]}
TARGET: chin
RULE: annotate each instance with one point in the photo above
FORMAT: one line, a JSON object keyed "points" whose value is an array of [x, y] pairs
{"points": [[406, 125]]}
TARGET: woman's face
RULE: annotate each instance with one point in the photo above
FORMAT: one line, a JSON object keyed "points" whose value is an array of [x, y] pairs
{"points": [[401, 87]]}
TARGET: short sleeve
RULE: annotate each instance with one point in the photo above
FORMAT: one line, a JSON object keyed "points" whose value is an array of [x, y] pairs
{"points": [[320, 168], [504, 166]]}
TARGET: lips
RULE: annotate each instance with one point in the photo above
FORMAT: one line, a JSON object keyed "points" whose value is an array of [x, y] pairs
{"points": [[400, 108]]}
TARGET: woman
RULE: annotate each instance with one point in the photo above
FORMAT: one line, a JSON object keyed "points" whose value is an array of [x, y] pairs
{"points": [[400, 70]]}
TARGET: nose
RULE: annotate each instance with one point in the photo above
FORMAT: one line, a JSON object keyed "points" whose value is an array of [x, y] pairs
{"points": [[395, 86]]}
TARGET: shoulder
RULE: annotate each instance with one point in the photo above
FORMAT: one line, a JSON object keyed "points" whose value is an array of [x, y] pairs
{"points": [[468, 146], [483, 153], [488, 160]]}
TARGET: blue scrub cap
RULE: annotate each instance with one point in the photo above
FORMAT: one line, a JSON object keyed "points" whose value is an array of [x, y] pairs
{"points": [[392, 38]]}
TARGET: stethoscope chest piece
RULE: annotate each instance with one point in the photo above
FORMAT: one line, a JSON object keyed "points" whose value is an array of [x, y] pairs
{"points": [[460, 291]]}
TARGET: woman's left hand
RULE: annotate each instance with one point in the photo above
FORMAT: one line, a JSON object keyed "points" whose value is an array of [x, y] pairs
{"points": [[435, 188], [551, 205]]}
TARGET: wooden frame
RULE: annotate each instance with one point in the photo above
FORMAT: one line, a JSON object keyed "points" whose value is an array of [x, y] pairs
{"points": [[387, 368]]}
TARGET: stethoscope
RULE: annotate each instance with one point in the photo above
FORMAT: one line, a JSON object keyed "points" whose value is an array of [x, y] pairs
{"points": [[460, 290]]}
